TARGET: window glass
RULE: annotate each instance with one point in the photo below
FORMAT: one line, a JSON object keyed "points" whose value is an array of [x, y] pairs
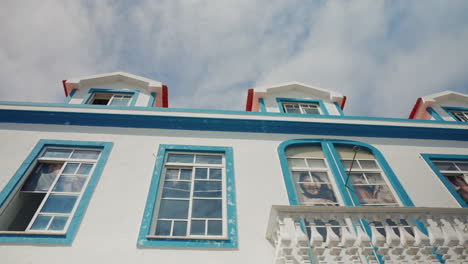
{"points": [[50, 192], [301, 108], [191, 199], [456, 174]]}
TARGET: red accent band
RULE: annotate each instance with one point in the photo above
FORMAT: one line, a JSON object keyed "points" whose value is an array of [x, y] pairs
{"points": [[415, 108], [65, 87], [165, 101], [250, 94], [343, 102]]}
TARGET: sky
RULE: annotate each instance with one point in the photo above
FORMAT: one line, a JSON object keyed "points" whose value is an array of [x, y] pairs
{"points": [[382, 55]]}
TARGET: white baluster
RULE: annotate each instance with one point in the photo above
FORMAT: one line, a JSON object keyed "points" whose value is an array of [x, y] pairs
{"points": [[435, 233], [348, 238], [332, 239], [407, 240], [391, 238], [378, 240], [420, 239], [450, 235], [316, 238], [461, 230]]}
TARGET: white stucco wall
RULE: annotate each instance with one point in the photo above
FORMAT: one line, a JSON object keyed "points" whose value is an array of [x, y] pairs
{"points": [[110, 226], [272, 106], [82, 92]]}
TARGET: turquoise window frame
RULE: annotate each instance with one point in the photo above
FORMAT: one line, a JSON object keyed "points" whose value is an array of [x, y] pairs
{"points": [[446, 157], [448, 109], [337, 169], [151, 99], [231, 242], [14, 182], [434, 114], [92, 91], [281, 100], [261, 104]]}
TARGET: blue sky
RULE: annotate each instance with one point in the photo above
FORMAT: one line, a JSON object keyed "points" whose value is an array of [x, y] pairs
{"points": [[382, 54]]}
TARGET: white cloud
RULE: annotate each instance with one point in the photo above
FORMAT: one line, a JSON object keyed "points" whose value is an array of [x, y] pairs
{"points": [[381, 54]]}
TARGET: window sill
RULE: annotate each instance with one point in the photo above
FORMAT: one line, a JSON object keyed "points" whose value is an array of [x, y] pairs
{"points": [[189, 238], [32, 233]]}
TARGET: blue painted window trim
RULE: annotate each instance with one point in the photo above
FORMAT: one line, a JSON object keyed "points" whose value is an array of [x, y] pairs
{"points": [[448, 109], [434, 114], [231, 242], [338, 108], [280, 101], [261, 104], [151, 99], [91, 91], [12, 185], [70, 96], [337, 169], [448, 157]]}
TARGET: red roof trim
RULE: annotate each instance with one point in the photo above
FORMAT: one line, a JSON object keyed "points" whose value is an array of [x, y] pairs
{"points": [[65, 87], [415, 108], [343, 102], [248, 106], [165, 101]]}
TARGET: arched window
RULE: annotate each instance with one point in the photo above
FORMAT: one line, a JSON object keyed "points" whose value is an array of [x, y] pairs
{"points": [[338, 172]]}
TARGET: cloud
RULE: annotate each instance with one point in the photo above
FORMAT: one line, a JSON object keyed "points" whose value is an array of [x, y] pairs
{"points": [[381, 54]]}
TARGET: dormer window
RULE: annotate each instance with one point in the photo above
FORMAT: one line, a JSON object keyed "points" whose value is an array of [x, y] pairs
{"points": [[110, 99], [461, 116], [301, 108]]}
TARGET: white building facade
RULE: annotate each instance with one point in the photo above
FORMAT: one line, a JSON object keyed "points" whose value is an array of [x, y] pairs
{"points": [[115, 175]]}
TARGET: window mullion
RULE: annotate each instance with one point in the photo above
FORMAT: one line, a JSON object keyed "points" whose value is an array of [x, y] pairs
{"points": [[189, 215]]}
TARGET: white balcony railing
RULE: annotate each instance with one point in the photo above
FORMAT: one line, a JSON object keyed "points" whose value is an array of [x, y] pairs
{"points": [[317, 234]]}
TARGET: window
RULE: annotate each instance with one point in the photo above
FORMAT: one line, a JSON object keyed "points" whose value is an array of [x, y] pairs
{"points": [[452, 170], [461, 116], [301, 106], [111, 97], [49, 196], [336, 172], [193, 199]]}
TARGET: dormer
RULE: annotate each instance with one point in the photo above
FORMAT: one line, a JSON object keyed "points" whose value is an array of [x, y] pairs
{"points": [[443, 106], [117, 89], [295, 98]]}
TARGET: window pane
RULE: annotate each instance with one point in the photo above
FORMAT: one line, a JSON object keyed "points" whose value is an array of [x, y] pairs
{"points": [[176, 189], [207, 208], [215, 174], [85, 169], [293, 109], [120, 101], [357, 178], [316, 163], [374, 178], [297, 163], [368, 164], [320, 177], [174, 209], [186, 174], [180, 228], [207, 189], [462, 166], [198, 227], [460, 185], [180, 158], [69, 184], [209, 159], [163, 228], [70, 168], [201, 173], [311, 111], [59, 204], [347, 164], [58, 223], [57, 153], [42, 177], [215, 228], [41, 222], [172, 174], [374, 194], [85, 154], [445, 166]]}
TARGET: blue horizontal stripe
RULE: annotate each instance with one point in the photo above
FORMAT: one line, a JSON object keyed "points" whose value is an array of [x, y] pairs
{"points": [[228, 125]]}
